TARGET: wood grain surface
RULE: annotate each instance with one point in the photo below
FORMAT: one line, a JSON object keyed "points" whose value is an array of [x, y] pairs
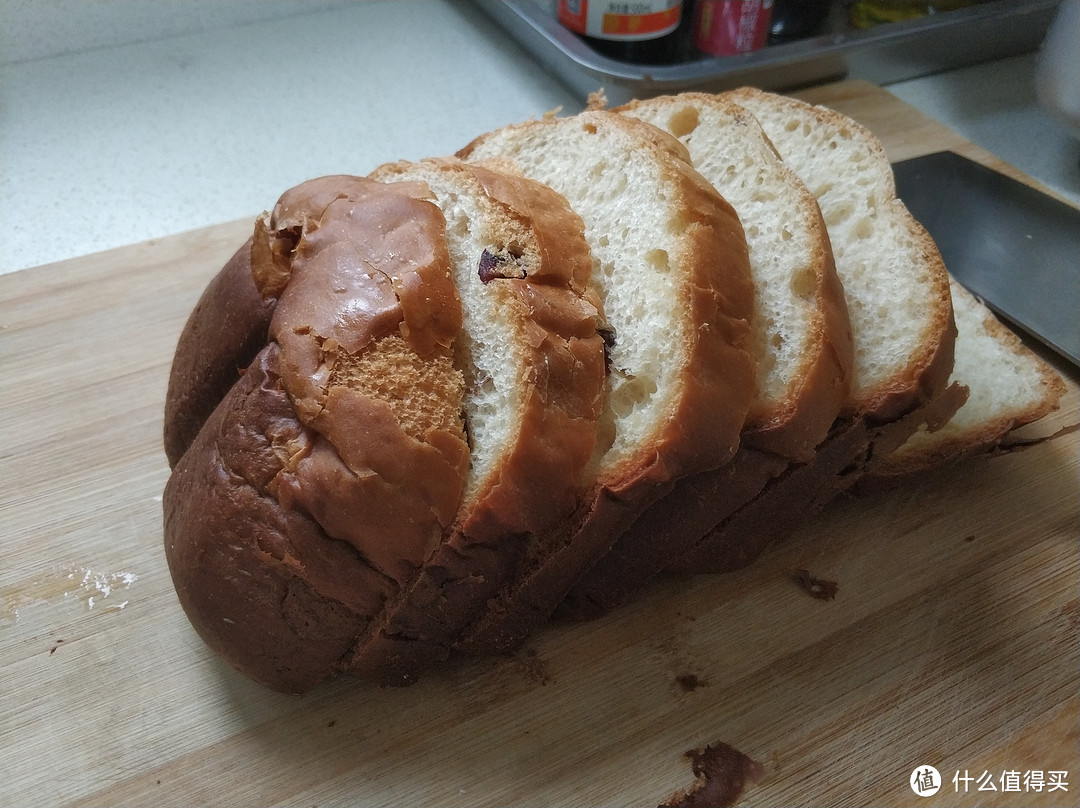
{"points": [[952, 640]]}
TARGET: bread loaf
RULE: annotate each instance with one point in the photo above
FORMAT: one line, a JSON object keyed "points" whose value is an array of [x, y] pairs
{"points": [[420, 412]]}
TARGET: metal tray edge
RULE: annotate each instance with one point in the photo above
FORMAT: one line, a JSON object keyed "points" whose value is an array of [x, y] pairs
{"points": [[893, 52]]}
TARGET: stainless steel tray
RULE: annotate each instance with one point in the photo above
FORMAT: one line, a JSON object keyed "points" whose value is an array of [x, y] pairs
{"points": [[884, 54]]}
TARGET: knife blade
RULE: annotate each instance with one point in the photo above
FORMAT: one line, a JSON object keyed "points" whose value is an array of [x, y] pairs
{"points": [[1012, 246]]}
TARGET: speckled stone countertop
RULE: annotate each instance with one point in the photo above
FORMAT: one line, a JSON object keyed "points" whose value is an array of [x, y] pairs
{"points": [[108, 143]]}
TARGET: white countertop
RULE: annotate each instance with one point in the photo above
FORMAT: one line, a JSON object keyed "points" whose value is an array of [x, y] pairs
{"points": [[196, 124]]}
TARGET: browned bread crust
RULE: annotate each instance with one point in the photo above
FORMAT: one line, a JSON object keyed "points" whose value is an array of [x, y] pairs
{"points": [[316, 477], [261, 583], [222, 334]]}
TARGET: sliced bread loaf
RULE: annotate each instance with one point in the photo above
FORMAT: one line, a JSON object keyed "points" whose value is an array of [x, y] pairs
{"points": [[900, 309], [533, 363], [672, 270], [800, 340]]}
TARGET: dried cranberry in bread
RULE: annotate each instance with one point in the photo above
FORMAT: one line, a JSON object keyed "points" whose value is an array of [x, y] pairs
{"points": [[317, 487], [800, 340], [533, 363], [900, 310], [673, 274]]}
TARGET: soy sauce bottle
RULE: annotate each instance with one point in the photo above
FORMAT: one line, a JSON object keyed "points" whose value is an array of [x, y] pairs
{"points": [[640, 32]]}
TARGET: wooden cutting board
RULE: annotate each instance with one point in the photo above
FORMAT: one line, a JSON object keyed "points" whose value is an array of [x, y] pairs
{"points": [[952, 641]]}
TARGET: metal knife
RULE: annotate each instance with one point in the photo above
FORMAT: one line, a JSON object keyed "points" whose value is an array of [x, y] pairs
{"points": [[1012, 246]]}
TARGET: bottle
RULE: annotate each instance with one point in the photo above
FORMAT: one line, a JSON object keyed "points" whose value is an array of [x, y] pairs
{"points": [[727, 27], [797, 19], [642, 32]]}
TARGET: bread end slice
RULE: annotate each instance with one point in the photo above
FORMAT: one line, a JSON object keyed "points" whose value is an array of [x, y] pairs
{"points": [[1010, 386]]}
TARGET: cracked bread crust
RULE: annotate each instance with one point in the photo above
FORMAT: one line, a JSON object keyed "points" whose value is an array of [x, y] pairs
{"points": [[304, 483], [368, 283]]}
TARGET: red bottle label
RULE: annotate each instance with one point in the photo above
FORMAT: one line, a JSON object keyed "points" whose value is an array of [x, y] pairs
{"points": [[646, 19], [726, 27]]}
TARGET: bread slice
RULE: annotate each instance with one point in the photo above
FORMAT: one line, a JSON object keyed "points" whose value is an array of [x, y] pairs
{"points": [[894, 280], [900, 309], [1009, 387], [673, 274], [800, 336], [800, 340], [533, 363]]}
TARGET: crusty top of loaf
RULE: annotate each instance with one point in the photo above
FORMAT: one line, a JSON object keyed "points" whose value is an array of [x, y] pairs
{"points": [[534, 367], [801, 338], [671, 269], [895, 283], [366, 317]]}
